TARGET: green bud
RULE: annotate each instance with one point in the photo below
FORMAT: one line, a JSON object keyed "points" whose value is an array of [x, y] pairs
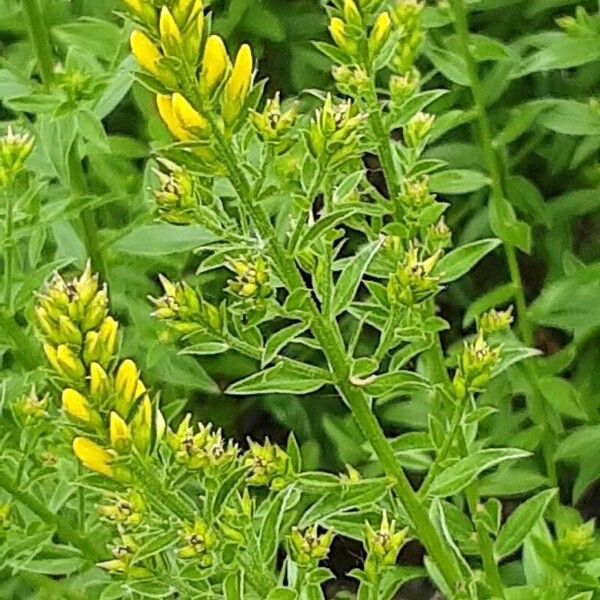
{"points": [[307, 548]]}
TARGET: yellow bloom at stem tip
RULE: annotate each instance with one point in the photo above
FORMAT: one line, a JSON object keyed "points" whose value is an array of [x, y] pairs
{"points": [[92, 456], [145, 52], [214, 65]]}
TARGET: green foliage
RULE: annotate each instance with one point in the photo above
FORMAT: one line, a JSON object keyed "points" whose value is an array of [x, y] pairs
{"points": [[338, 271]]}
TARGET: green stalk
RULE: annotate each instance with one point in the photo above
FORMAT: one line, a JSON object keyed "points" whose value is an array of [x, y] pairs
{"points": [[39, 39], [490, 158], [497, 177], [79, 189], [9, 245], [63, 529], [329, 337]]}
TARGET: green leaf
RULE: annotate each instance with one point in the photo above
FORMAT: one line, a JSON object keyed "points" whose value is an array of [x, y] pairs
{"points": [[520, 522], [350, 279], [457, 181], [563, 396], [162, 239], [279, 340], [503, 294], [324, 225], [400, 382], [233, 584], [506, 226], [284, 378], [271, 526], [462, 473], [580, 442], [281, 593], [451, 65], [98, 37], [571, 118], [461, 260]]}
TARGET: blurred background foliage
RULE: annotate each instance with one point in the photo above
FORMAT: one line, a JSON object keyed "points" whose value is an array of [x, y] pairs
{"points": [[540, 82]]}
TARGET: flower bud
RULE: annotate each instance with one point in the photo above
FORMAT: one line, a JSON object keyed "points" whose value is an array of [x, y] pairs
{"points": [[214, 65], [128, 387], [308, 548], [165, 110], [120, 437], [237, 87], [93, 457], [383, 545], [145, 52], [380, 33], [65, 362], [141, 426], [170, 36], [494, 321], [15, 149], [417, 129], [337, 30], [352, 14], [76, 406]]}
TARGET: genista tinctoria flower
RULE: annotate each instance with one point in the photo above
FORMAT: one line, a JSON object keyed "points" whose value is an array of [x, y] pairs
{"points": [[106, 399]]}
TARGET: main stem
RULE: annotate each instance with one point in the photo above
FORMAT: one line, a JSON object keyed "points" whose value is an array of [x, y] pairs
{"points": [[8, 252], [329, 337], [494, 168], [39, 39]]}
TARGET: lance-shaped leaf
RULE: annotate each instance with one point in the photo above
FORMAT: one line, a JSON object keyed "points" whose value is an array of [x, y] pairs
{"points": [[350, 279], [460, 261], [462, 473], [281, 339], [521, 522], [400, 382], [284, 378]]}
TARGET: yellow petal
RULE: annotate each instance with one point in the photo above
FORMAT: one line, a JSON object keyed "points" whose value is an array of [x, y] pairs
{"points": [[76, 405], [126, 382], [120, 438], [141, 425], [189, 118], [92, 456], [165, 110], [239, 83], [214, 64], [170, 36], [98, 380], [145, 52]]}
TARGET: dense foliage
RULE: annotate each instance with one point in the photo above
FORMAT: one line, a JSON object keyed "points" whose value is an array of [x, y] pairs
{"points": [[338, 345]]}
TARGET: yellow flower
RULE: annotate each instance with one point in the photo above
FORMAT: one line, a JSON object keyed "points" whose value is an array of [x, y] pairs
{"points": [[77, 407], [337, 31], [145, 52], [238, 85], [99, 382], [214, 65], [165, 110], [188, 117], [128, 387], [93, 457], [170, 36], [65, 362], [380, 32], [141, 426], [120, 437]]}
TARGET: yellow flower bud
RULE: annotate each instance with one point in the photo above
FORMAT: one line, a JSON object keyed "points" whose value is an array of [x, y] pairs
{"points": [[170, 36], [93, 457], [188, 117], [68, 331], [380, 33], [214, 65], [99, 382], [145, 52], [120, 437], [337, 31], [77, 407], [141, 426], [126, 385], [142, 10], [238, 85], [351, 13], [165, 110], [65, 362]]}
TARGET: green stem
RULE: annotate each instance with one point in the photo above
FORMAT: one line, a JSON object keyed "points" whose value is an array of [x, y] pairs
{"points": [[444, 451], [490, 157], [40, 39], [497, 177], [79, 190], [9, 245], [385, 151], [327, 333], [64, 530]]}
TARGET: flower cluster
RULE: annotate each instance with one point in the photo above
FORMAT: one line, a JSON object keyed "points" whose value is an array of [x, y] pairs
{"points": [[108, 401], [15, 149], [201, 88], [383, 545]]}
